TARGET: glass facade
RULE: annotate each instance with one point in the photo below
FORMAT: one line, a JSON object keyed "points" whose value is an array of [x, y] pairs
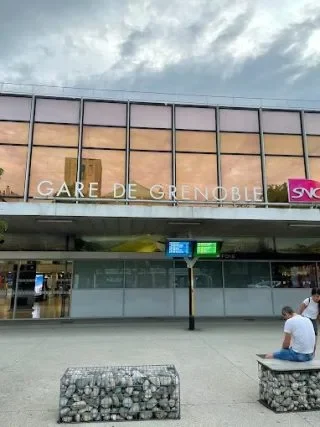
{"points": [[153, 152]]}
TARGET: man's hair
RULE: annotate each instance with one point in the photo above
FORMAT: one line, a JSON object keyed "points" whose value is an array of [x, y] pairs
{"points": [[287, 309], [315, 291]]}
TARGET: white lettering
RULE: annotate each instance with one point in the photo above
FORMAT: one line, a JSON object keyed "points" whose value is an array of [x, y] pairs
{"points": [[132, 188], [172, 192], [156, 192], [298, 192], [202, 195], [246, 195], [219, 191], [93, 187], [235, 194], [117, 187], [312, 193], [48, 192], [78, 189], [63, 189], [257, 194], [185, 189]]}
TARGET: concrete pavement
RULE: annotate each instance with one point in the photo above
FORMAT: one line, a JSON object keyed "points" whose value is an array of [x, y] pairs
{"points": [[216, 363]]}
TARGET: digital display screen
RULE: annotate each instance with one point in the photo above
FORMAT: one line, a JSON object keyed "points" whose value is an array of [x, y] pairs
{"points": [[207, 249], [38, 285], [179, 249]]}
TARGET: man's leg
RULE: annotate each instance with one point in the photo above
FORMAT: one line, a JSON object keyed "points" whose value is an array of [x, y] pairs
{"points": [[283, 354]]}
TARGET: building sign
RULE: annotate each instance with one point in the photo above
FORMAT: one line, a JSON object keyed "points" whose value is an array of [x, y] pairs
{"points": [[91, 190], [302, 190]]}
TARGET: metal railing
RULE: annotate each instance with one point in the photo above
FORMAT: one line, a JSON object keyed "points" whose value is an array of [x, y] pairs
{"points": [[163, 97]]}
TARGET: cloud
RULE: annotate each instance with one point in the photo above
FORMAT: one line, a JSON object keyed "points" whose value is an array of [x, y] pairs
{"points": [[242, 48]]}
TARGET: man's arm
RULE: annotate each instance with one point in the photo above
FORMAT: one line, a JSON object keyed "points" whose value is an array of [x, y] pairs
{"points": [[286, 340], [301, 308]]}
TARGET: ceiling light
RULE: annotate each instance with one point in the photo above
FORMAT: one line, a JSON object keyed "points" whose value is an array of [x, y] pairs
{"points": [[304, 225], [183, 223], [55, 221]]}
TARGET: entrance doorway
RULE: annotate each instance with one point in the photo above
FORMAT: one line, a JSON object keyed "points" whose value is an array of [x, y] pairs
{"points": [[35, 289]]}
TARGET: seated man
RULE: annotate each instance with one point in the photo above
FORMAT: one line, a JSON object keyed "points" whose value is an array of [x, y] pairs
{"points": [[299, 338]]}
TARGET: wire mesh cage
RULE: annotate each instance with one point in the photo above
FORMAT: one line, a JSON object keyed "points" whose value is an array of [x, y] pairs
{"points": [[119, 393], [289, 391]]}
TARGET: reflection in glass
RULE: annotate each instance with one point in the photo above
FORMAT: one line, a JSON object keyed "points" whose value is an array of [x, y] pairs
{"points": [[243, 172], [247, 245], [13, 165], [283, 144], [207, 274], [14, 133], [298, 245], [148, 170], [246, 143], [106, 274], [149, 274], [104, 167], [195, 170], [196, 141], [7, 287], [55, 135], [278, 171], [313, 145], [247, 275], [314, 168], [56, 165], [150, 139], [101, 137], [294, 275]]}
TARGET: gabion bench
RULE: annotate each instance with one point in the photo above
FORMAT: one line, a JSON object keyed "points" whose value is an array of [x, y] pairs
{"points": [[289, 386], [119, 393]]}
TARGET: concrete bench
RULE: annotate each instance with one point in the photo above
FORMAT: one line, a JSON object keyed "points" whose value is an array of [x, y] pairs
{"points": [[119, 393], [289, 386]]}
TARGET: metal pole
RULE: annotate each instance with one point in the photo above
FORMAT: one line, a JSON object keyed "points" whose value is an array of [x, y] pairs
{"points": [[16, 291], [191, 298]]}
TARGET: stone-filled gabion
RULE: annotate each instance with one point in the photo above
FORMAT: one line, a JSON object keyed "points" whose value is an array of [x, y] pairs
{"points": [[119, 393], [290, 390]]}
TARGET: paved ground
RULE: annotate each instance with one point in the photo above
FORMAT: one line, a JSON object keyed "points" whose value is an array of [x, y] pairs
{"points": [[217, 366]]}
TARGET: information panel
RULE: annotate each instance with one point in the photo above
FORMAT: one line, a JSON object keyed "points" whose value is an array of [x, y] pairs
{"points": [[207, 249], [179, 249]]}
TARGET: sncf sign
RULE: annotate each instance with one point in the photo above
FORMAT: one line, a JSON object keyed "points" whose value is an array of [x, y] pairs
{"points": [[303, 190]]}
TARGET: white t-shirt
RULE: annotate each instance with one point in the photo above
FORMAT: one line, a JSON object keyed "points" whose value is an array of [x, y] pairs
{"points": [[312, 309], [302, 334]]}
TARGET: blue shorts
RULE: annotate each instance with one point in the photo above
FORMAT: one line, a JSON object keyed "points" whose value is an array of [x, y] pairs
{"points": [[292, 356]]}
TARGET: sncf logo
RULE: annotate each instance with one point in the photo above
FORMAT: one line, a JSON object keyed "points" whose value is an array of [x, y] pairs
{"points": [[303, 190]]}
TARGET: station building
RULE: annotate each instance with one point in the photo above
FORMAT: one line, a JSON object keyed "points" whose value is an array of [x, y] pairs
{"points": [[91, 190]]}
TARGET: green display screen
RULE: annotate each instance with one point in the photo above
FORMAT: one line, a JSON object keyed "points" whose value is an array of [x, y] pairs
{"points": [[207, 249]]}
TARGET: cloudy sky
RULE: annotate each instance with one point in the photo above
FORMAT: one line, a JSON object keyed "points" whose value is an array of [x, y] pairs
{"points": [[263, 48]]}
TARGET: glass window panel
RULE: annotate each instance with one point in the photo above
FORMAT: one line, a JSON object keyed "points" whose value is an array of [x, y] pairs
{"points": [[149, 274], [313, 145], [104, 274], [207, 274], [243, 172], [15, 108], [314, 168], [14, 133], [298, 245], [150, 116], [283, 144], [106, 167], [55, 135], [294, 275], [239, 120], [100, 137], [278, 171], [56, 165], [246, 143], [247, 275], [195, 118], [196, 170], [150, 139], [148, 170], [13, 161], [196, 141], [312, 123], [57, 111], [281, 122], [104, 113]]}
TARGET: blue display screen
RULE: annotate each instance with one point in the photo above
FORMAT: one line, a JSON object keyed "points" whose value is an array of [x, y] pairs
{"points": [[179, 249]]}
